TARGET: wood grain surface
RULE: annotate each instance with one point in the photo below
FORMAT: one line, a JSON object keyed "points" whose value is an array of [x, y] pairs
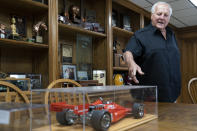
{"points": [[172, 117]]}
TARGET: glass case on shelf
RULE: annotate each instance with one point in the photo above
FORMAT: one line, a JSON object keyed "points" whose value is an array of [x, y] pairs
{"points": [[84, 56], [100, 107], [23, 117]]}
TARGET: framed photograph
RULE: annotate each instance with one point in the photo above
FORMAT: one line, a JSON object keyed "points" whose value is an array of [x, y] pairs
{"points": [[20, 25], [100, 75], [82, 75], [69, 72], [67, 52]]}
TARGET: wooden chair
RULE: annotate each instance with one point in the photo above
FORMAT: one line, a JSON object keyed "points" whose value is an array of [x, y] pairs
{"points": [[12, 94], [192, 89], [70, 98]]}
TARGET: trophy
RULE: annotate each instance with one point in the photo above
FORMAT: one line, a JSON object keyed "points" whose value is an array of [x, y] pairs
{"points": [[38, 29], [2, 31], [74, 14], [14, 35]]}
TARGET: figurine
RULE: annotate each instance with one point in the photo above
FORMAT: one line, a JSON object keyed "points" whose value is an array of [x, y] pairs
{"points": [[74, 14], [99, 114], [2, 31], [37, 29], [13, 27], [14, 35]]}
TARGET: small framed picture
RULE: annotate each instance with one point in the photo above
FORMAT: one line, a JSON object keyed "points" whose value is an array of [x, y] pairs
{"points": [[20, 25], [69, 72], [67, 53], [82, 75], [100, 75]]}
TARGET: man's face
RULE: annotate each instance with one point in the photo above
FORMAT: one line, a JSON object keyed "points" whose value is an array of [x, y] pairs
{"points": [[161, 17]]}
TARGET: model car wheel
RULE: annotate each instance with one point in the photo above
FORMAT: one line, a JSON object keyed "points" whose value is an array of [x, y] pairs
{"points": [[63, 118], [138, 110], [101, 120]]}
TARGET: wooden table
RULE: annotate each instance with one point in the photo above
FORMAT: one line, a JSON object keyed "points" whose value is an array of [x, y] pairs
{"points": [[172, 117]]}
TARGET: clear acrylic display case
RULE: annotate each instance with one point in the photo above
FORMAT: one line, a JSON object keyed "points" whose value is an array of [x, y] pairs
{"points": [[23, 117], [100, 107]]}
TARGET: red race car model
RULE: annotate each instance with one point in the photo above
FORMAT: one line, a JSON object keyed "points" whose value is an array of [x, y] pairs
{"points": [[99, 114]]}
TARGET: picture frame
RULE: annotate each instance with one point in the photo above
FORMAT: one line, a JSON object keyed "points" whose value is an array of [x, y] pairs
{"points": [[82, 75], [67, 53], [100, 75], [69, 71], [20, 25]]}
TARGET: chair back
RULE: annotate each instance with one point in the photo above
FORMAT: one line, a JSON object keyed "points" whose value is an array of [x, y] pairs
{"points": [[70, 98], [192, 89], [12, 93]]}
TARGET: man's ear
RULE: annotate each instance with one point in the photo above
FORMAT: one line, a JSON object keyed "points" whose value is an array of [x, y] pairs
{"points": [[151, 16]]}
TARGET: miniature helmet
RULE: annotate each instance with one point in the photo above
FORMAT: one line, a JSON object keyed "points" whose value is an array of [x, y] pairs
{"points": [[118, 79]]}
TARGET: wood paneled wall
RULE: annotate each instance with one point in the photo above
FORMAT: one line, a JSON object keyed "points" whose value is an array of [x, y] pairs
{"points": [[187, 38]]}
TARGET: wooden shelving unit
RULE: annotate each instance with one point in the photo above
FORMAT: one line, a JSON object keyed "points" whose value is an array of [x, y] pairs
{"points": [[24, 6], [19, 56], [36, 55], [121, 32], [121, 36], [63, 28], [120, 68], [15, 43]]}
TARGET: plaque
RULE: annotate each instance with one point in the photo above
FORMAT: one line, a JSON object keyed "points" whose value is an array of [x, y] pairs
{"points": [[66, 53], [84, 54]]}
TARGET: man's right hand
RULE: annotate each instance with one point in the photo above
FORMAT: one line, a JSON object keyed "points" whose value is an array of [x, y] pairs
{"points": [[133, 67]]}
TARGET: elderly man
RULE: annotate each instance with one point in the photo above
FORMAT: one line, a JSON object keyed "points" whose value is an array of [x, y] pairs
{"points": [[153, 57]]}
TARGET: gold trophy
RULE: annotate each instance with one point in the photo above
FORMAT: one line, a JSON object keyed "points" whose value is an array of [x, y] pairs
{"points": [[38, 28], [14, 34]]}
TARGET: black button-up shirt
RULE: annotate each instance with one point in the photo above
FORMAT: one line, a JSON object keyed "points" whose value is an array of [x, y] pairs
{"points": [[159, 59]]}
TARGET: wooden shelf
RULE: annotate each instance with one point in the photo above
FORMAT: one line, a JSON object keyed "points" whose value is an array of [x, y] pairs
{"points": [[121, 32], [63, 28], [120, 68], [24, 6], [9, 42]]}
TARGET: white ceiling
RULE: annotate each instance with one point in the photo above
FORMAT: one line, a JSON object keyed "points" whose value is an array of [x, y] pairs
{"points": [[184, 13]]}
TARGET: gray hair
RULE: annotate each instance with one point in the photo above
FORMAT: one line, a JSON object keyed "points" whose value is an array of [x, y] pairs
{"points": [[158, 3]]}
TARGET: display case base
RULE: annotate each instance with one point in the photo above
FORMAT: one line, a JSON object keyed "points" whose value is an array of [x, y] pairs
{"points": [[122, 125]]}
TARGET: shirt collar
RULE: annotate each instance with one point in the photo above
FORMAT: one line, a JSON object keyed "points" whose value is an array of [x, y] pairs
{"points": [[154, 29]]}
